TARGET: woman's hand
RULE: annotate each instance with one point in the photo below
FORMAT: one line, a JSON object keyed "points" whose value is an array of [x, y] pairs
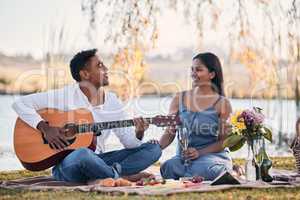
{"points": [[191, 153]]}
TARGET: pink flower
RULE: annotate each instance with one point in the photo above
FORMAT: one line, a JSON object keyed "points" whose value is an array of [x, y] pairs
{"points": [[252, 117]]}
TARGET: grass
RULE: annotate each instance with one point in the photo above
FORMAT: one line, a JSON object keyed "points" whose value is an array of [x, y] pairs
{"points": [[292, 193], [280, 193]]}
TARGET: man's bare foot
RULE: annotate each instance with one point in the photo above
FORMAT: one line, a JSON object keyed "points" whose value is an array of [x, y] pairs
{"points": [[107, 182], [138, 176]]}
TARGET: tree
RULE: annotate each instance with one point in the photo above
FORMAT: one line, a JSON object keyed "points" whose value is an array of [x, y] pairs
{"points": [[132, 26]]}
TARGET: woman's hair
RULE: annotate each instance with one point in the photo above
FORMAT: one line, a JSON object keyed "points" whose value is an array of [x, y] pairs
{"points": [[213, 64]]}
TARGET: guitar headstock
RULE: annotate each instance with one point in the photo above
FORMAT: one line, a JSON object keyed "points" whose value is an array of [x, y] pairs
{"points": [[166, 120]]}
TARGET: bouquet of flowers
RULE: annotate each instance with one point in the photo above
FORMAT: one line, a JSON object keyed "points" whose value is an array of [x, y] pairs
{"points": [[246, 126]]}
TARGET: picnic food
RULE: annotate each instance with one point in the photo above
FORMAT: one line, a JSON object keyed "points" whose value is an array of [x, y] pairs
{"points": [[110, 182], [197, 179], [122, 182], [150, 181], [192, 181]]}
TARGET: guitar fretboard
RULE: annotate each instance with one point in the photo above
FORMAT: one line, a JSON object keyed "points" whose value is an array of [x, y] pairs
{"points": [[97, 127]]}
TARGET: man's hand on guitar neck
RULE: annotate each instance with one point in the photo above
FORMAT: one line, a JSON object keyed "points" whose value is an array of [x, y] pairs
{"points": [[54, 135], [141, 125]]}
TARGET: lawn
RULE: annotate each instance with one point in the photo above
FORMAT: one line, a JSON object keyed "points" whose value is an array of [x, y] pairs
{"points": [[280, 163]]}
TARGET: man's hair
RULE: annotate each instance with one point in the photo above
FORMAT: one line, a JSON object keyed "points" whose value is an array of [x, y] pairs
{"points": [[79, 61]]}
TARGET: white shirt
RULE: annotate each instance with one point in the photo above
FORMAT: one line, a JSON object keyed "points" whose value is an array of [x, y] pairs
{"points": [[70, 98]]}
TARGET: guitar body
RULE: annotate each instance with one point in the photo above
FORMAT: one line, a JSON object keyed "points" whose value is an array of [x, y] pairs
{"points": [[34, 152]]}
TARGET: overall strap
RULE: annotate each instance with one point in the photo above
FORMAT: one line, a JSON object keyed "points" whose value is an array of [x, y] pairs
{"points": [[220, 97], [181, 101]]}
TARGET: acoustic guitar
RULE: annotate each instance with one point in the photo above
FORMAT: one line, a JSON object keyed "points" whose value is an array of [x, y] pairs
{"points": [[35, 153]]}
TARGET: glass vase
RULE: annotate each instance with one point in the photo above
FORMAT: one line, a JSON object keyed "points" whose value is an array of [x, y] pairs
{"points": [[250, 166]]}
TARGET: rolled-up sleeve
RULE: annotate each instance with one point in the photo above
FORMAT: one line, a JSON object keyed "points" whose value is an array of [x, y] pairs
{"points": [[27, 106]]}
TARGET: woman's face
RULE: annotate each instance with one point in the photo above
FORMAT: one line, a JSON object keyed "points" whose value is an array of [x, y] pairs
{"points": [[200, 73]]}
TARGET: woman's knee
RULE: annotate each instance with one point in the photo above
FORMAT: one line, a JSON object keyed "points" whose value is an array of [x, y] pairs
{"points": [[171, 169], [167, 165], [165, 169], [215, 170]]}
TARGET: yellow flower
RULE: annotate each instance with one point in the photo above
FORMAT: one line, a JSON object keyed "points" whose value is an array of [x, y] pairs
{"points": [[237, 121], [236, 131]]}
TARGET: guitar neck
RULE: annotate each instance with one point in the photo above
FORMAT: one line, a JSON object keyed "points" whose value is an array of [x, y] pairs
{"points": [[97, 127]]}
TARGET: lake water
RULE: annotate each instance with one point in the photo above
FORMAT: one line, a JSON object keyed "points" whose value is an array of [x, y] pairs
{"points": [[151, 106]]}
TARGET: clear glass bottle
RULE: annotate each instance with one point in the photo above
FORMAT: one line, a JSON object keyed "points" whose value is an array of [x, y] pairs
{"points": [[250, 169]]}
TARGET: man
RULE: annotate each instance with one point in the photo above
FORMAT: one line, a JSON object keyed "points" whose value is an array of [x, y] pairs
{"points": [[83, 165]]}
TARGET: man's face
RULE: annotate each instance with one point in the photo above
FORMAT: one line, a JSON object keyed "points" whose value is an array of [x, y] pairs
{"points": [[97, 72]]}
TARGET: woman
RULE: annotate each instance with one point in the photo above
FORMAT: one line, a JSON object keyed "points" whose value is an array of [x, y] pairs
{"points": [[203, 111]]}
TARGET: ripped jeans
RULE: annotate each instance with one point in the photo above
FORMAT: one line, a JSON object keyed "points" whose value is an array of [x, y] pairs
{"points": [[208, 166]]}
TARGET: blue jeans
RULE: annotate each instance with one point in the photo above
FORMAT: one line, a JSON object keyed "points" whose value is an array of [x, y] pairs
{"points": [[83, 164], [208, 166]]}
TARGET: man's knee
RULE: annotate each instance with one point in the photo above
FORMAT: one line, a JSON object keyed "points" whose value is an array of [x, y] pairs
{"points": [[83, 152], [154, 150], [83, 155]]}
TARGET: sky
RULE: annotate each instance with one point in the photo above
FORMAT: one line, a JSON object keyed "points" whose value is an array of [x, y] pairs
{"points": [[25, 28]]}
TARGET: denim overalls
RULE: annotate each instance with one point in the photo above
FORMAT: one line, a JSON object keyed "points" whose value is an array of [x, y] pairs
{"points": [[203, 129]]}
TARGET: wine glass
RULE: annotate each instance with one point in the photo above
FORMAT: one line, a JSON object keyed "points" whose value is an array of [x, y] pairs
{"points": [[183, 139]]}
